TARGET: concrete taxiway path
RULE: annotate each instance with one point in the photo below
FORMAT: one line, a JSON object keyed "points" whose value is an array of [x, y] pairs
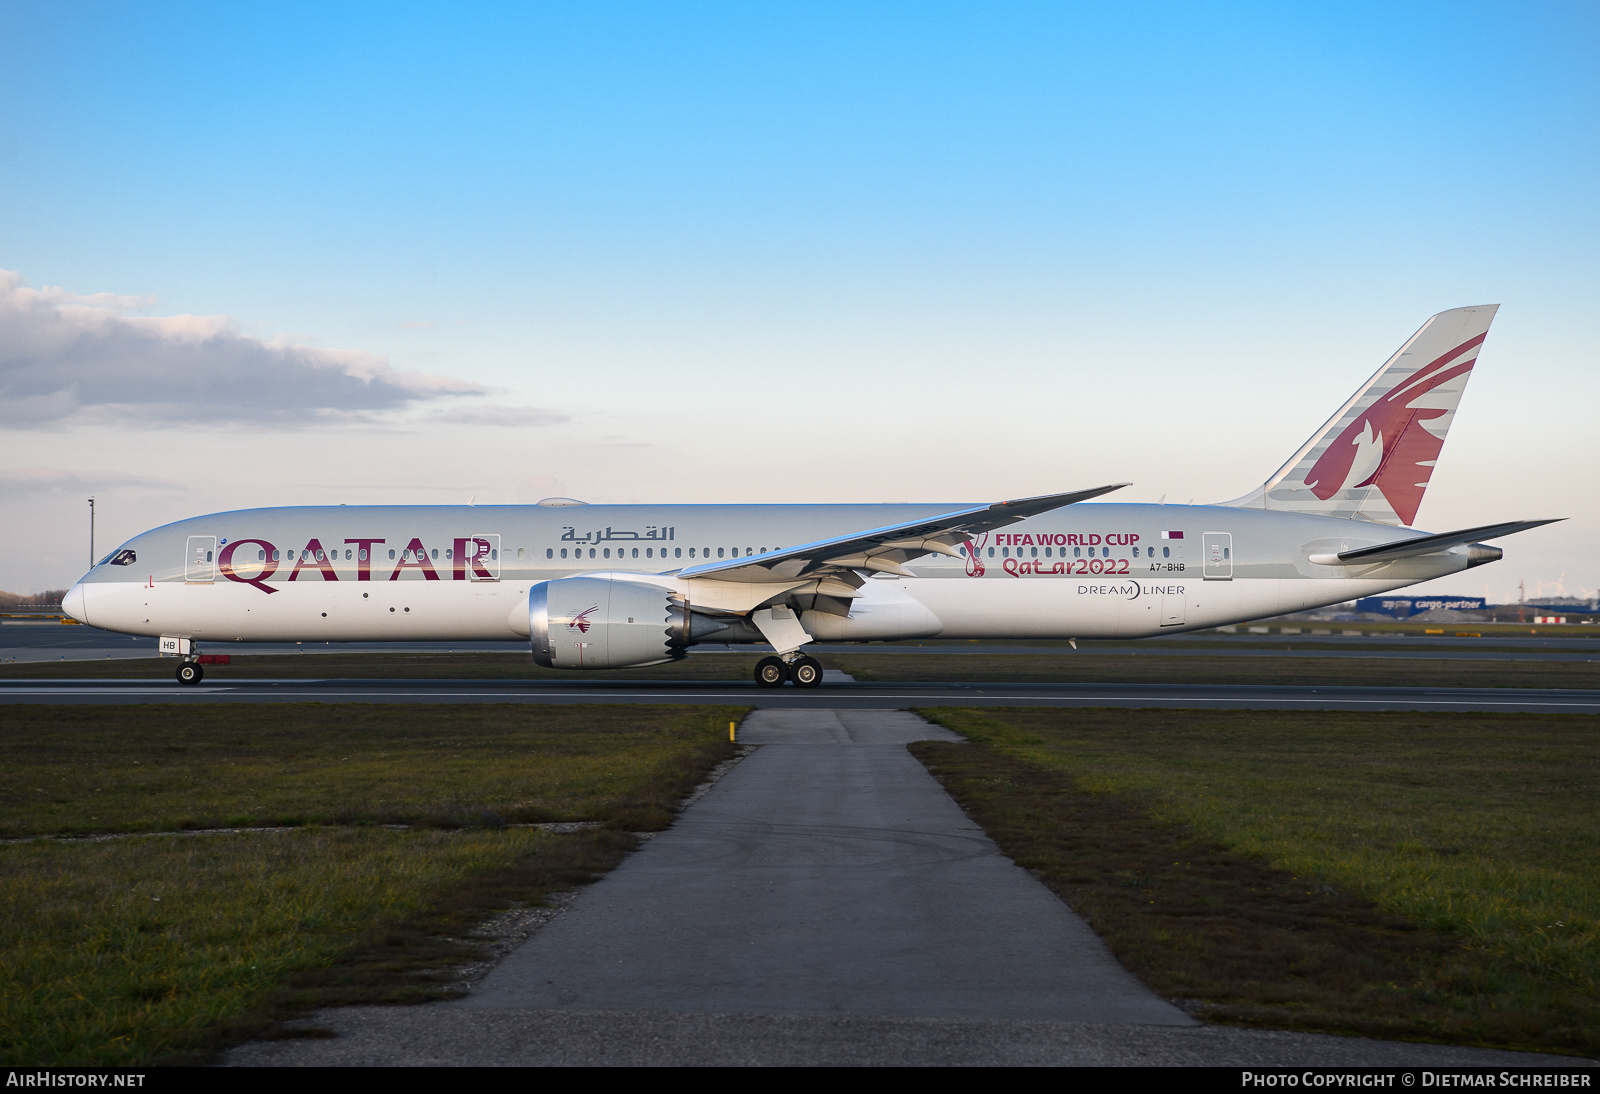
{"points": [[826, 902], [827, 873], [833, 694]]}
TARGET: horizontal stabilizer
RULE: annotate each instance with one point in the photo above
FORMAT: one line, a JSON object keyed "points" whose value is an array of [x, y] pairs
{"points": [[1427, 545]]}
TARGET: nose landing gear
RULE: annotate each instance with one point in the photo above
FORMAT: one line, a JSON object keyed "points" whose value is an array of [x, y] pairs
{"points": [[802, 671]]}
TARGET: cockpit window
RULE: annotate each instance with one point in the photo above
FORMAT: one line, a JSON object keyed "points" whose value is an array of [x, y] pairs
{"points": [[125, 557]]}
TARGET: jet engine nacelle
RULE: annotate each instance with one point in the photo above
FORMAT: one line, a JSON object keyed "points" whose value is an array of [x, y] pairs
{"points": [[602, 623]]}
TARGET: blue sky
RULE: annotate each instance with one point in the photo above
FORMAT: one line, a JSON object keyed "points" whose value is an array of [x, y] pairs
{"points": [[811, 252]]}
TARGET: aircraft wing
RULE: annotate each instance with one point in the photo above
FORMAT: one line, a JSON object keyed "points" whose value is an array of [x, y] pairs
{"points": [[1427, 545], [887, 549]]}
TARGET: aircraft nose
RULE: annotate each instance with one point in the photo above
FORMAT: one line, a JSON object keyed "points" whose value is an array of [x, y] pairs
{"points": [[75, 603]]}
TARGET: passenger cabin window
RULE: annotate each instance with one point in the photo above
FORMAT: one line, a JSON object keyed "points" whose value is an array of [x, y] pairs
{"points": [[636, 552], [606, 553], [391, 552], [677, 552], [549, 552], [435, 553], [363, 554], [1166, 552]]}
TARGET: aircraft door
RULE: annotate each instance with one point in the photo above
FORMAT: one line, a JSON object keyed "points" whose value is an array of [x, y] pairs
{"points": [[1217, 549], [483, 557], [200, 565]]}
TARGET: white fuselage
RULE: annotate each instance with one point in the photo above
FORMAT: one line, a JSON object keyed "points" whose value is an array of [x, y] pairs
{"points": [[463, 573]]}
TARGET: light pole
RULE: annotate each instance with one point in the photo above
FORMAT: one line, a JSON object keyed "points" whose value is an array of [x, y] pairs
{"points": [[91, 533]]}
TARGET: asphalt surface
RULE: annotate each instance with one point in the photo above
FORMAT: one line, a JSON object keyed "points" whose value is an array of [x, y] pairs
{"points": [[433, 1037], [34, 642], [827, 873], [824, 903], [26, 641], [832, 694]]}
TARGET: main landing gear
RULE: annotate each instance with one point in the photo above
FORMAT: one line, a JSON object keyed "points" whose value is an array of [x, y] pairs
{"points": [[190, 672], [803, 672]]}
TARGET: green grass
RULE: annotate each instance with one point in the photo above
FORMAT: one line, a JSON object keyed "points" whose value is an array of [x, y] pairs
{"points": [[1233, 669], [162, 948], [381, 666], [1392, 874], [81, 769], [138, 950]]}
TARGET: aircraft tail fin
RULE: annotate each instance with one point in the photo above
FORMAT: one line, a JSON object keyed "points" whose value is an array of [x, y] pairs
{"points": [[1372, 460]]}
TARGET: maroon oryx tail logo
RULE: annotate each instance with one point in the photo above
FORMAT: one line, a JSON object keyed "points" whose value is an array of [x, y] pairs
{"points": [[582, 620], [1395, 439]]}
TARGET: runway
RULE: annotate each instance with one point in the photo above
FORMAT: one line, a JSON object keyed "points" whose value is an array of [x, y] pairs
{"points": [[837, 695], [34, 642]]}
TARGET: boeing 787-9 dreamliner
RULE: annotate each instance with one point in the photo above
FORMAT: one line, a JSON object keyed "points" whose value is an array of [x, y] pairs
{"points": [[618, 586]]}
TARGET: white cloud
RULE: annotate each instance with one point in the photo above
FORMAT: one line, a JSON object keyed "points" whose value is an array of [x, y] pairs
{"points": [[515, 416], [66, 356], [22, 482]]}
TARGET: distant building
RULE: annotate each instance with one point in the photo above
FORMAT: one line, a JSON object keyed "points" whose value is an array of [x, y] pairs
{"points": [[1403, 607], [1566, 605]]}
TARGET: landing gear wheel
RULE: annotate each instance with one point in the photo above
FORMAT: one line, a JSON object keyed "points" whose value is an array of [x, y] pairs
{"points": [[806, 673], [771, 672], [190, 672]]}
